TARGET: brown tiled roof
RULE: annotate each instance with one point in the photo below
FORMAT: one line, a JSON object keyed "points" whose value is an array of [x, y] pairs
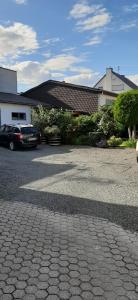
{"points": [[67, 96]]}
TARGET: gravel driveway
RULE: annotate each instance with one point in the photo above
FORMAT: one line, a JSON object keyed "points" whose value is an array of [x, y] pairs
{"points": [[68, 222]]}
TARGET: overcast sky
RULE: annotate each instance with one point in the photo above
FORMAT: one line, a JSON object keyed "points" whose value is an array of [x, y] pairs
{"points": [[68, 40]]}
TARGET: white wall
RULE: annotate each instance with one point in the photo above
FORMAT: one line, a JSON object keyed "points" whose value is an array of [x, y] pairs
{"points": [[105, 99], [8, 81], [6, 113], [112, 83]]}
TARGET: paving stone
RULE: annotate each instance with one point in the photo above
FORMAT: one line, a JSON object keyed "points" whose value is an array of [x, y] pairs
{"points": [[18, 294], [41, 294], [50, 249], [8, 289], [98, 291]]}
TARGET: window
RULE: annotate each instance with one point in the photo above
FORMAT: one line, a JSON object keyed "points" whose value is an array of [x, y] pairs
{"points": [[18, 116], [29, 130], [8, 129], [2, 128], [16, 130], [118, 87], [100, 87], [109, 101]]}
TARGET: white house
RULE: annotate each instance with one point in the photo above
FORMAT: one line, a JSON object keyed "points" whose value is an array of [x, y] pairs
{"points": [[114, 82], [14, 108]]}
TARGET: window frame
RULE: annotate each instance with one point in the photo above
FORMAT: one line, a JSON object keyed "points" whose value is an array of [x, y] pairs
{"points": [[18, 118]]}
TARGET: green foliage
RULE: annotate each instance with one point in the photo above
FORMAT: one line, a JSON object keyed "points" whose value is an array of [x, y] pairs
{"points": [[96, 117], [51, 131], [76, 130], [126, 108], [114, 141], [95, 137], [81, 140], [40, 117], [107, 123], [131, 143], [84, 124]]}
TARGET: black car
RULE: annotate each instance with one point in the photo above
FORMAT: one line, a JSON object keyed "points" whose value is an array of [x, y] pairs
{"points": [[15, 136]]}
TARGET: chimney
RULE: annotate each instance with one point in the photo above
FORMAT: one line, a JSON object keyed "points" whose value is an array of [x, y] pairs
{"points": [[108, 85]]}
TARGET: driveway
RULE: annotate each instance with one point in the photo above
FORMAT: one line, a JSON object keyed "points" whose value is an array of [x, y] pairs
{"points": [[68, 224]]}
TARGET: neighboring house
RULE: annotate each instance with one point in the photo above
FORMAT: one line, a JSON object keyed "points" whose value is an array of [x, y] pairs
{"points": [[114, 82], [71, 97], [13, 107]]}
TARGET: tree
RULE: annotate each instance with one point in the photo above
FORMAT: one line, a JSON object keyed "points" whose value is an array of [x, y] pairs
{"points": [[126, 111]]}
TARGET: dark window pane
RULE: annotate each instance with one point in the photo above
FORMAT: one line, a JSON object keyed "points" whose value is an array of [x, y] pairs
{"points": [[28, 130], [18, 116], [16, 130]]}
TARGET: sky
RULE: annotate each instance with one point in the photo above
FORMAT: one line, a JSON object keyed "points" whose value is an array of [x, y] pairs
{"points": [[68, 40]]}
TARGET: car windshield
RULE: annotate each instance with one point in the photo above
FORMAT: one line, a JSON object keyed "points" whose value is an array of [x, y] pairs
{"points": [[28, 130]]}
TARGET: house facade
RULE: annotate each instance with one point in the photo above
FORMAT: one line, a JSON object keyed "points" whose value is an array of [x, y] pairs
{"points": [[114, 82], [71, 97], [13, 107]]}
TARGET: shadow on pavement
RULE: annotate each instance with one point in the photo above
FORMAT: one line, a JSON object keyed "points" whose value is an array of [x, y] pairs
{"points": [[14, 175]]}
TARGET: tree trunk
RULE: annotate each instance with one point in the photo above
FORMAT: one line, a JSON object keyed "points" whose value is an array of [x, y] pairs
{"points": [[129, 133], [134, 132]]}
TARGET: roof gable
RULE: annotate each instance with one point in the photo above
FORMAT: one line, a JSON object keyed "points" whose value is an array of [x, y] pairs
{"points": [[127, 81]]}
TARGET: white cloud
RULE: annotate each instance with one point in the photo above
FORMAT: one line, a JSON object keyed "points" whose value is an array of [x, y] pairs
{"points": [[89, 17], [17, 39], [94, 22], [62, 62], [81, 10], [31, 73], [131, 8], [134, 78], [128, 26], [52, 41], [94, 41], [69, 49], [20, 1], [83, 78]]}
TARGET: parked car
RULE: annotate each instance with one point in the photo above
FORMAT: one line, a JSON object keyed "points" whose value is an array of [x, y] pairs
{"points": [[15, 136]]}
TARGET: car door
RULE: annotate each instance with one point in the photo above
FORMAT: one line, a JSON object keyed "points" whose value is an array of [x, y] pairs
{"points": [[8, 133], [2, 134]]}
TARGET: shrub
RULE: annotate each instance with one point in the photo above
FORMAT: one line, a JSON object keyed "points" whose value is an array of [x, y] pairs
{"points": [[84, 124], [81, 140], [114, 141], [131, 143], [51, 131], [95, 137], [40, 117]]}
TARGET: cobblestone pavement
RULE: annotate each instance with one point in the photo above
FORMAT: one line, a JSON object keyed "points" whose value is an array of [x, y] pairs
{"points": [[57, 246]]}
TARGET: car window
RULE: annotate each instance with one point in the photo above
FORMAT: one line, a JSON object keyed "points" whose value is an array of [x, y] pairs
{"points": [[2, 128], [16, 130], [28, 130], [8, 129]]}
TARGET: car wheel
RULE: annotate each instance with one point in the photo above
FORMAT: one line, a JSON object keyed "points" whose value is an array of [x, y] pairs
{"points": [[12, 146]]}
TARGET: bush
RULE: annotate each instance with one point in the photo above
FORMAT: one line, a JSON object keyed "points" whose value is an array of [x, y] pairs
{"points": [[84, 124], [81, 140], [95, 137], [40, 118], [131, 143], [51, 131], [114, 141]]}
